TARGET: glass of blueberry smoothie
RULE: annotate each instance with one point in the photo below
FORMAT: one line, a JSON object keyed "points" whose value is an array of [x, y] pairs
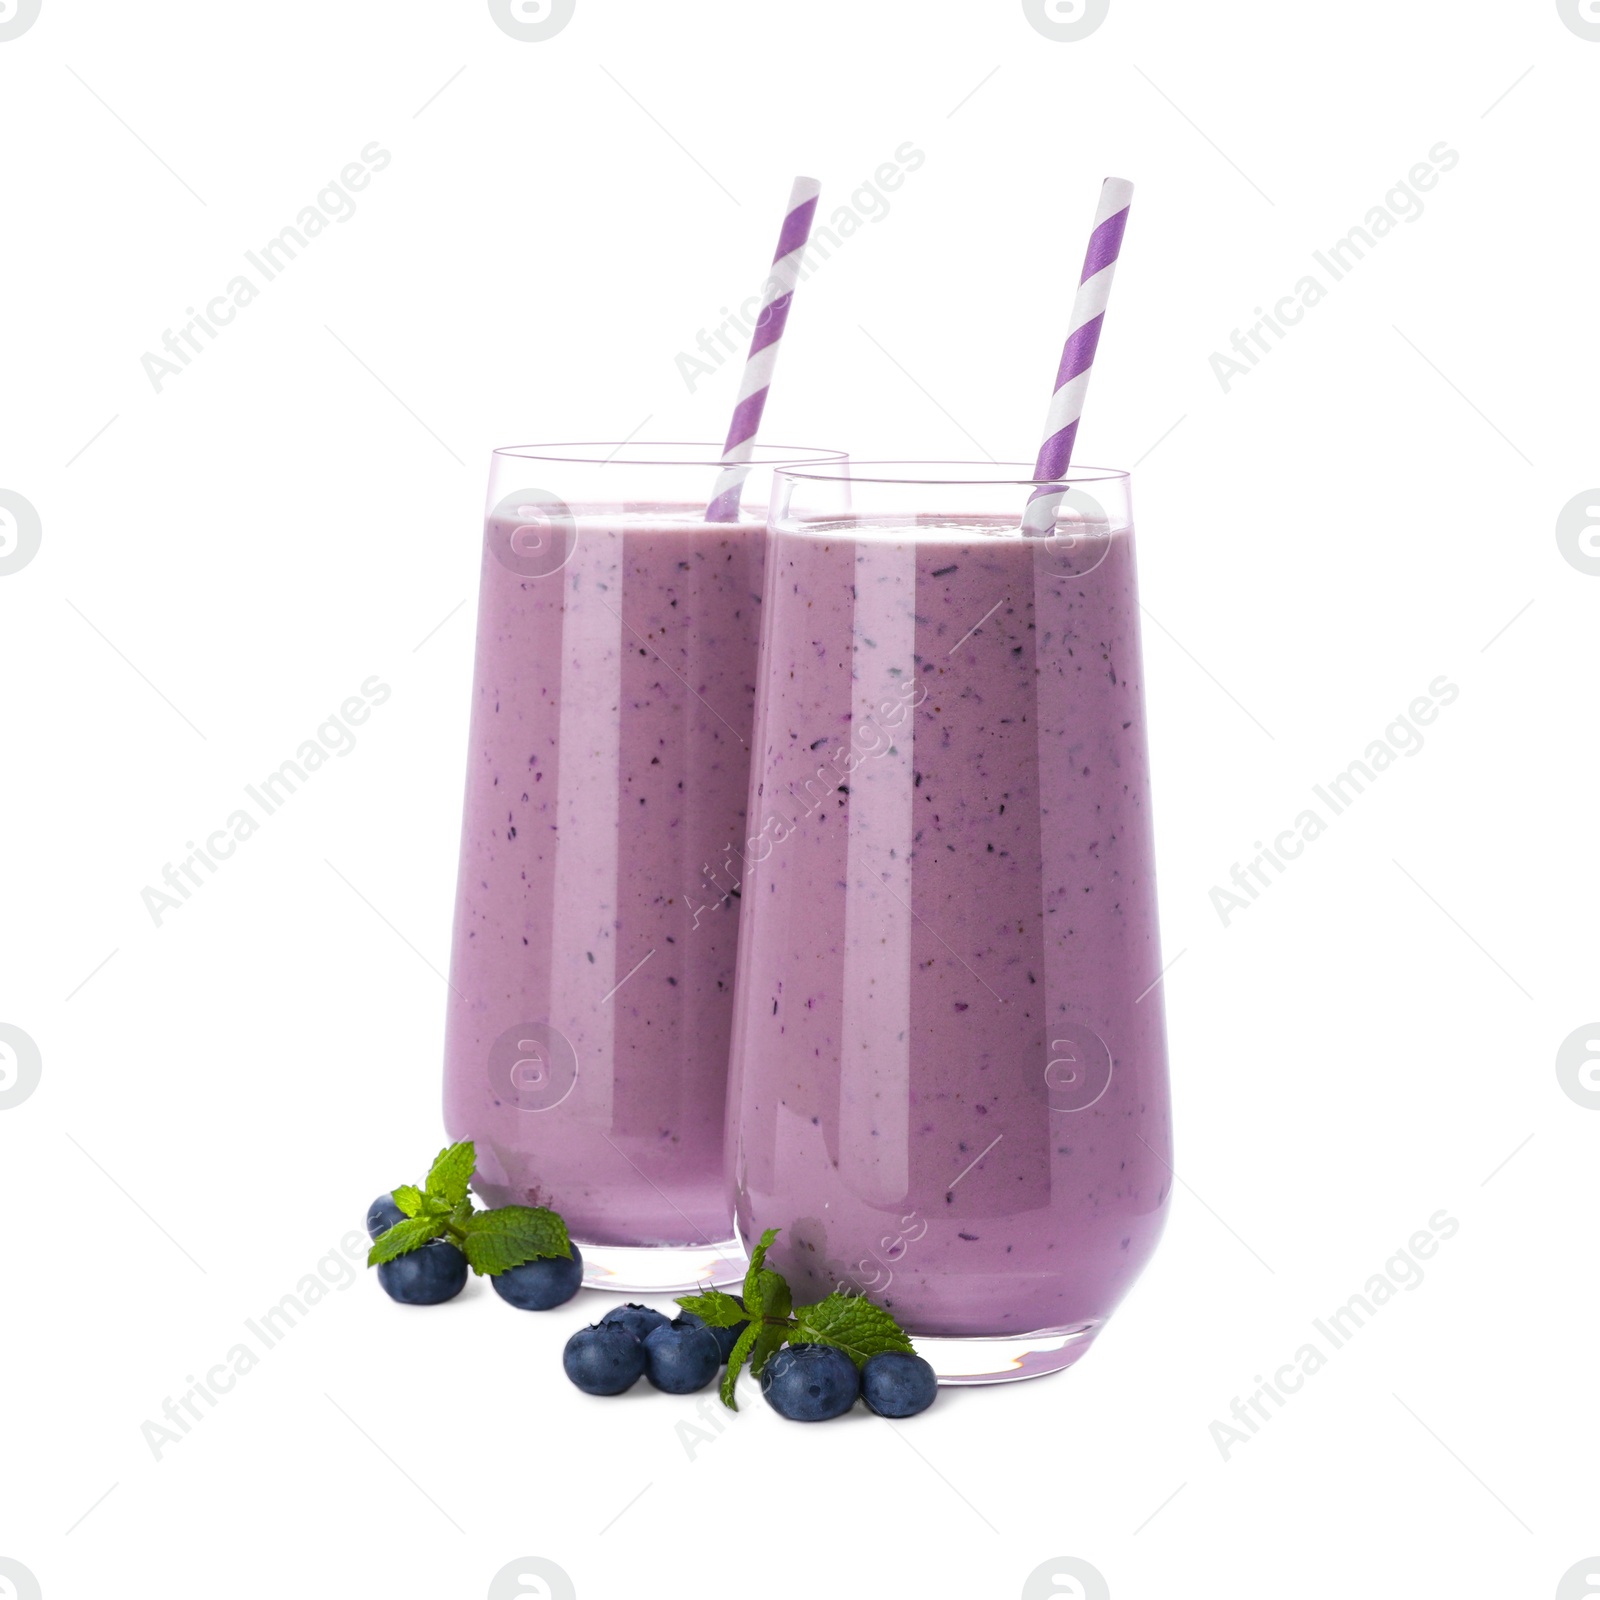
{"points": [[949, 1080], [591, 978]]}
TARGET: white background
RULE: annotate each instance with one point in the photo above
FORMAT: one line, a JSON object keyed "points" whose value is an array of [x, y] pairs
{"points": [[224, 562]]}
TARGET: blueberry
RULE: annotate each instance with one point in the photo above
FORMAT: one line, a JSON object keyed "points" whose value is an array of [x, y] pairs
{"points": [[603, 1359], [681, 1356], [640, 1321], [726, 1338], [539, 1285], [810, 1382], [382, 1215], [427, 1276], [897, 1385]]}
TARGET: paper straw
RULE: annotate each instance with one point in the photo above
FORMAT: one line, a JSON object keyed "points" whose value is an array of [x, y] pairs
{"points": [[1077, 357], [763, 355]]}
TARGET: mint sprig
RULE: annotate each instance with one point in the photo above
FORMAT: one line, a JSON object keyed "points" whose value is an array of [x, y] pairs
{"points": [[715, 1309], [848, 1322], [737, 1357], [403, 1237], [510, 1235], [451, 1172], [852, 1323], [493, 1241]]}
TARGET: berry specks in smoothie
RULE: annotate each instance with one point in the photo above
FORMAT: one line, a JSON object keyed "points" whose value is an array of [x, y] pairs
{"points": [[1036, 782]]}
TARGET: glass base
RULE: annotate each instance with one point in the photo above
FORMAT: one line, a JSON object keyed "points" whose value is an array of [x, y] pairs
{"points": [[1007, 1358], [661, 1269]]}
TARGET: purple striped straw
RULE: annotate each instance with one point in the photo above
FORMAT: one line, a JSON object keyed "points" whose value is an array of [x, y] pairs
{"points": [[1077, 358], [763, 357]]}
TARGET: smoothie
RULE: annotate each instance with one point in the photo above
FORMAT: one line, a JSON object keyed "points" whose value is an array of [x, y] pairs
{"points": [[592, 971], [949, 1084]]}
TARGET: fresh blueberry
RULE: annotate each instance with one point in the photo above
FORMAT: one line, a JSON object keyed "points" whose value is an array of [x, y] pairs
{"points": [[427, 1276], [640, 1321], [681, 1356], [382, 1215], [897, 1385], [726, 1338], [603, 1359], [810, 1382], [539, 1285]]}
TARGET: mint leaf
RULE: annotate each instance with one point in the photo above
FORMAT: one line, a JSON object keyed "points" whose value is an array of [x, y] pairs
{"points": [[766, 1304], [736, 1359], [769, 1340], [848, 1322], [509, 1236], [451, 1172], [409, 1198], [404, 1237], [758, 1258], [771, 1295], [715, 1309], [851, 1323], [757, 1278]]}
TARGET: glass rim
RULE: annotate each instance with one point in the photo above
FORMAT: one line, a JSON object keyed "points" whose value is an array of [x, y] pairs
{"points": [[993, 474], [706, 454]]}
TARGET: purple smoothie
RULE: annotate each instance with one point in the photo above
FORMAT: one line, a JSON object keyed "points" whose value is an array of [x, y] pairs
{"points": [[949, 1084], [592, 970]]}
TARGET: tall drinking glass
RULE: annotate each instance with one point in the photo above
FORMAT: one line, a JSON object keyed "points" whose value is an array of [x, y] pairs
{"points": [[949, 1081], [591, 979]]}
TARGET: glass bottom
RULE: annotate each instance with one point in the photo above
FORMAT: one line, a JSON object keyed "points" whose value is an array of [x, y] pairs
{"points": [[661, 1269], [1005, 1359]]}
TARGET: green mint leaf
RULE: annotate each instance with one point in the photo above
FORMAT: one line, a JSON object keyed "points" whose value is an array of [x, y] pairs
{"points": [[769, 1340], [458, 1215], [403, 1237], [508, 1236], [451, 1172], [772, 1294], [853, 1324], [736, 1359], [759, 1281], [715, 1309], [758, 1258], [409, 1198]]}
